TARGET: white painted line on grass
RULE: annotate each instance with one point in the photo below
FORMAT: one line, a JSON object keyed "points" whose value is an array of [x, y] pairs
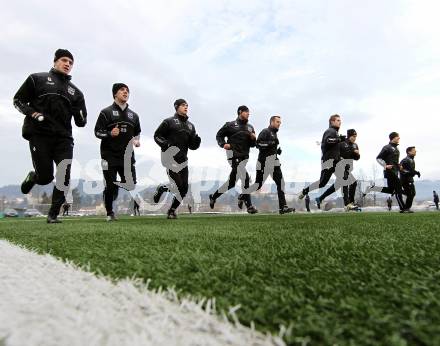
{"points": [[44, 301]]}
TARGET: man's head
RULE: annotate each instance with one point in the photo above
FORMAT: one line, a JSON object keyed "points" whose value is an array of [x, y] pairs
{"points": [[275, 121], [63, 61], [335, 121], [243, 112], [121, 92], [181, 107], [411, 151], [352, 135], [394, 138]]}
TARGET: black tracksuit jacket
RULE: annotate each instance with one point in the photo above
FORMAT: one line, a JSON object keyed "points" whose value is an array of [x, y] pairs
{"points": [[180, 132], [113, 148], [390, 156], [267, 143], [347, 150], [237, 133], [57, 98], [408, 170], [330, 144]]}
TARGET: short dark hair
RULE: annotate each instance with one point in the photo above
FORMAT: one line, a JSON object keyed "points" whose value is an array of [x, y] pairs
{"points": [[333, 117], [272, 118], [409, 149], [393, 135]]}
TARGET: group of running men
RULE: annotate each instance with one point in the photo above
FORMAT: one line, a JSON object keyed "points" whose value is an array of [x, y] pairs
{"points": [[49, 100]]}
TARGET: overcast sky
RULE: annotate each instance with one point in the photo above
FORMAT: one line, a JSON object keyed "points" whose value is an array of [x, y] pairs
{"points": [[377, 63]]}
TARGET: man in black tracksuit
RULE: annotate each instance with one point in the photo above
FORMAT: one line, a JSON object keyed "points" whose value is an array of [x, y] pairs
{"points": [[349, 151], [240, 138], [269, 164], [307, 202], [49, 100], [175, 135], [389, 203], [329, 160], [136, 208], [407, 173], [118, 128], [436, 199], [388, 158], [66, 207]]}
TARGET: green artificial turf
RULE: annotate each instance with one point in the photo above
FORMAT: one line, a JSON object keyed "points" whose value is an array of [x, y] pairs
{"points": [[346, 279]]}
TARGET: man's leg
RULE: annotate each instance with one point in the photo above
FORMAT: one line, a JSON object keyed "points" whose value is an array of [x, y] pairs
{"points": [[128, 181], [277, 177], [410, 192], [327, 192], [327, 169], [352, 192], [260, 177], [325, 177], [41, 148], [129, 185], [181, 183], [345, 194], [110, 189], [345, 189], [394, 187], [245, 182], [63, 154], [230, 183], [342, 171]]}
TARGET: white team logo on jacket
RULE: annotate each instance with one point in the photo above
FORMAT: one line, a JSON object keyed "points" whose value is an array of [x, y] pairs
{"points": [[190, 127], [130, 115], [115, 113], [71, 90]]}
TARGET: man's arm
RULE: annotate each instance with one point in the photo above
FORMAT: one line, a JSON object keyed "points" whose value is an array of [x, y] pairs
{"points": [[381, 158], [80, 112], [161, 135], [195, 140], [356, 155], [406, 169], [23, 97], [331, 137], [221, 134], [137, 128], [101, 131], [137, 132], [264, 140], [252, 138]]}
